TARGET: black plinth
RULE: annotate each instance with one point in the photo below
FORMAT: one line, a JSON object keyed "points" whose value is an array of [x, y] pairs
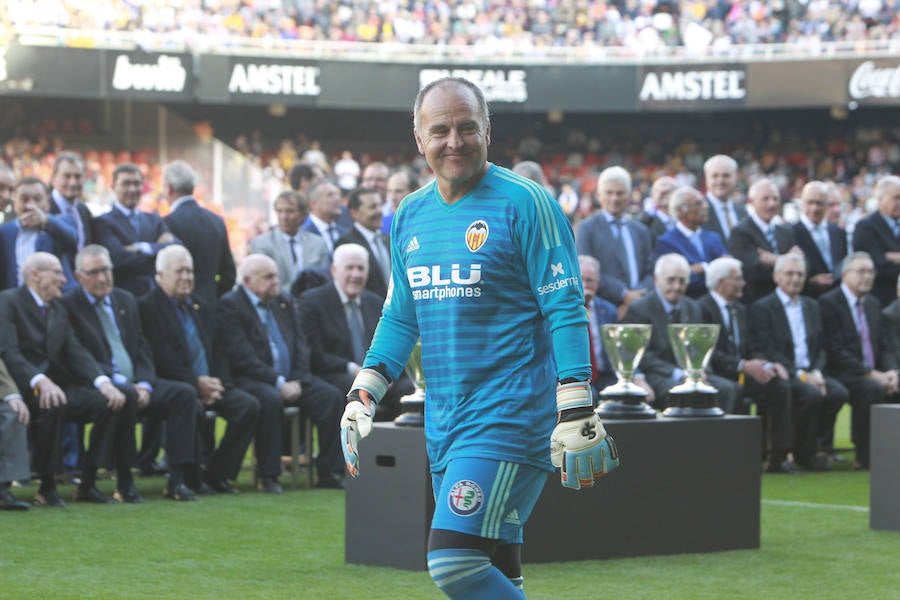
{"points": [[685, 485], [693, 404], [624, 406], [884, 495]]}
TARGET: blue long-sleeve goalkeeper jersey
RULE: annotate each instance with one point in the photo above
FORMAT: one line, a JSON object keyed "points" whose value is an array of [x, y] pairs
{"points": [[492, 285]]}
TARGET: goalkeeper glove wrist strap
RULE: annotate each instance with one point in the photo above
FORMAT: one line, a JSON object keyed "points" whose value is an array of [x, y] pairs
{"points": [[372, 381], [573, 394]]}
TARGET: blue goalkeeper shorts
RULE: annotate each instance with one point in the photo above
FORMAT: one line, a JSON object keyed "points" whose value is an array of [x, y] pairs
{"points": [[486, 498]]}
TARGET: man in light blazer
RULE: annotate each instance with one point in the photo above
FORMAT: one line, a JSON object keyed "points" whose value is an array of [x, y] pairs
{"points": [[621, 246], [292, 248]]}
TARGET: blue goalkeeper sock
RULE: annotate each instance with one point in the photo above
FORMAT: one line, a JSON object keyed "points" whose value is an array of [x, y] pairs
{"points": [[468, 574]]}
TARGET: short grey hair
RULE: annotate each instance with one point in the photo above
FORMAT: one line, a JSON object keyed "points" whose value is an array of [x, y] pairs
{"points": [[720, 158], [530, 170], [448, 81], [348, 250], [679, 198], [589, 260], [91, 250], [169, 252], [615, 173], [180, 177], [719, 269], [252, 262], [761, 183], [858, 255], [70, 157], [790, 257], [38, 261], [885, 183], [671, 259]]}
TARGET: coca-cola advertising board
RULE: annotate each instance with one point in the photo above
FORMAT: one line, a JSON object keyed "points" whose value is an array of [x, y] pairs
{"points": [[874, 82]]}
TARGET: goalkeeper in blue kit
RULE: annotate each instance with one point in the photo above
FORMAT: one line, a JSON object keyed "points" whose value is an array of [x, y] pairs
{"points": [[484, 271]]}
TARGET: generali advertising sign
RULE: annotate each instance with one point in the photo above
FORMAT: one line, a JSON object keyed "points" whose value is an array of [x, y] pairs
{"points": [[697, 87]]}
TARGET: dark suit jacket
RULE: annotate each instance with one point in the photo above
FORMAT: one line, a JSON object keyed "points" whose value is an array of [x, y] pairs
{"points": [[204, 234], [594, 237], [891, 315], [309, 226], [815, 263], [134, 271], [675, 241], [87, 219], [165, 336], [770, 333], [654, 225], [59, 239], [86, 323], [845, 357], [728, 353], [28, 350], [245, 340], [874, 236], [713, 223], [659, 361], [746, 238], [376, 282], [324, 322]]}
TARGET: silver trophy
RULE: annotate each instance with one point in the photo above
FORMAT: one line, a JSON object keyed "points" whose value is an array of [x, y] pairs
{"points": [[693, 344], [624, 345], [413, 405]]}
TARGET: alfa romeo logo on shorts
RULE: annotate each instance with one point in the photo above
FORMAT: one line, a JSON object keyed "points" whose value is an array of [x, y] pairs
{"points": [[465, 498]]}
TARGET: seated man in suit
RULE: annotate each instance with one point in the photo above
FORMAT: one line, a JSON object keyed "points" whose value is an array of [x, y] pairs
{"points": [[758, 241], [600, 312], [44, 356], [365, 208], [324, 209], [824, 244], [667, 304], [270, 358], [339, 320], [689, 239], [35, 229], [180, 330], [133, 237], [787, 332], [731, 358], [14, 457], [622, 247], [290, 247], [861, 350], [879, 235], [108, 324]]}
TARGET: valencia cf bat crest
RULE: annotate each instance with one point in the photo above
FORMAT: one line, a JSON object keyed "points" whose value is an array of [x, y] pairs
{"points": [[476, 235]]}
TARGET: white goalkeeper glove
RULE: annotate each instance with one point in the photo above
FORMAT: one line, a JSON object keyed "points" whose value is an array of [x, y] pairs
{"points": [[356, 423], [579, 444]]}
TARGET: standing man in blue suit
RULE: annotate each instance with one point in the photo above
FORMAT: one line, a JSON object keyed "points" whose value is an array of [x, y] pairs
{"points": [[35, 229], [324, 209], [133, 237], [689, 239], [621, 246]]}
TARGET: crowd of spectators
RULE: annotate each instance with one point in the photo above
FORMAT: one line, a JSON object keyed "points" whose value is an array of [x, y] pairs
{"points": [[511, 26]]}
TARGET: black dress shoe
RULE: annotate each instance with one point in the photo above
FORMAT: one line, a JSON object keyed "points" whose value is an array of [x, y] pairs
{"points": [[93, 495], [269, 485], [222, 487], [10, 502], [129, 496], [49, 498], [330, 481], [785, 467], [180, 493]]}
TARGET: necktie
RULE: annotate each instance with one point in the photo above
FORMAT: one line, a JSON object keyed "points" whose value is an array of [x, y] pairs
{"points": [[896, 227], [120, 358], [356, 332], [675, 315], [770, 238], [864, 339], [630, 259], [729, 223], [697, 243], [134, 219], [199, 364], [292, 243], [281, 358], [733, 326], [332, 233], [822, 242], [381, 255]]}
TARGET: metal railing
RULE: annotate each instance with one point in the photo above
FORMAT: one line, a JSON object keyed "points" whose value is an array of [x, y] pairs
{"points": [[508, 52]]}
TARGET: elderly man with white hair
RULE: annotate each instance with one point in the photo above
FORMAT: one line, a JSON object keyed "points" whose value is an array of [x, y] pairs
{"points": [[879, 236], [622, 246]]}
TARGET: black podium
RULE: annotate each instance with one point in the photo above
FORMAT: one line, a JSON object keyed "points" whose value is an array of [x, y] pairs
{"points": [[884, 495], [685, 485]]}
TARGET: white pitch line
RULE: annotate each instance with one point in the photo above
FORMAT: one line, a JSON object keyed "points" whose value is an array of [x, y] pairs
{"points": [[863, 509]]}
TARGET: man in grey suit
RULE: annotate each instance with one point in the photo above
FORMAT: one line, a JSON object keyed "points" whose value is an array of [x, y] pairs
{"points": [[667, 304], [290, 247], [621, 246]]}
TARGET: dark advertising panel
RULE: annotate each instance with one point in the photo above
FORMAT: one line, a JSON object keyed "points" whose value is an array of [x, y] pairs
{"points": [[693, 87], [49, 71], [796, 84]]}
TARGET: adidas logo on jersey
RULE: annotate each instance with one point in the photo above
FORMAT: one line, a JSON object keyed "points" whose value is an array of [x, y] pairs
{"points": [[512, 518], [412, 245]]}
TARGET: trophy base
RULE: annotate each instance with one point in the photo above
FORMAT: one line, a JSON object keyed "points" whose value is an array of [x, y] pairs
{"points": [[624, 406], [692, 404], [413, 407]]}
